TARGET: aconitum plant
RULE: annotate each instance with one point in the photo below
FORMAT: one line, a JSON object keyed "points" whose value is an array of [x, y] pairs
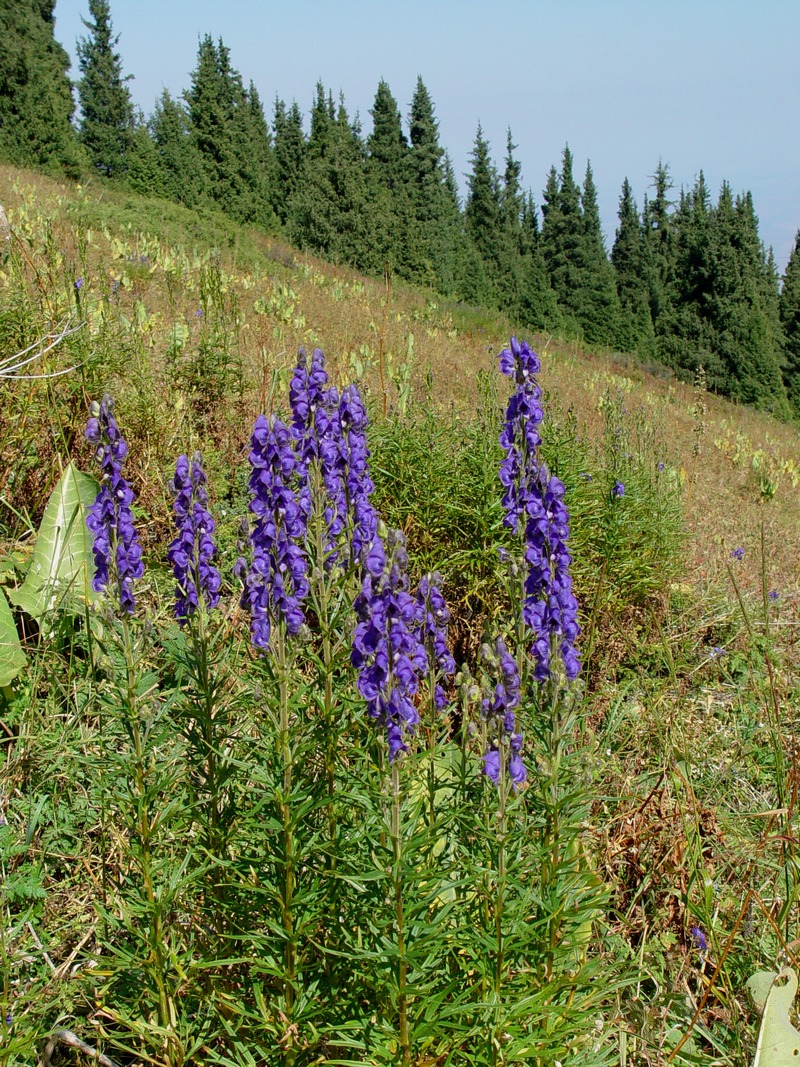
{"points": [[387, 652], [535, 508], [501, 697], [116, 547], [276, 582], [358, 483], [435, 618], [192, 551]]}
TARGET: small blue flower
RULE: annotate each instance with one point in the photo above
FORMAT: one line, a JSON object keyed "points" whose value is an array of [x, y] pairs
{"points": [[774, 595], [619, 489], [717, 651], [78, 283], [660, 466], [199, 313], [738, 553], [699, 939]]}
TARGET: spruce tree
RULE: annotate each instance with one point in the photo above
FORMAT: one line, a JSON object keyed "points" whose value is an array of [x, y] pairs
{"points": [[658, 241], [599, 309], [36, 102], [628, 260], [144, 173], [790, 319], [288, 157], [181, 163], [439, 244], [107, 117]]}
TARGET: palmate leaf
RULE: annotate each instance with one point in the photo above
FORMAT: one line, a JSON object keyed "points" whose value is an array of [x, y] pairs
{"points": [[62, 563], [12, 658]]}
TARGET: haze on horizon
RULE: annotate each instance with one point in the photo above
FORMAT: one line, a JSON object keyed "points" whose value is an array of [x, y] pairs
{"points": [[708, 86]]}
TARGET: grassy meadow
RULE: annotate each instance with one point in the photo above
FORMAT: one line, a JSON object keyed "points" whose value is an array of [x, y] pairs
{"points": [[207, 857]]}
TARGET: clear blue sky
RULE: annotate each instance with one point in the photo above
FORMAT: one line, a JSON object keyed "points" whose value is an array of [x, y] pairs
{"points": [[701, 84]]}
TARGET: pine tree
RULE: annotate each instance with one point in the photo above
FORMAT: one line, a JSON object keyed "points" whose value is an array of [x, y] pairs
{"points": [[790, 319], [36, 102], [107, 118], [387, 145]]}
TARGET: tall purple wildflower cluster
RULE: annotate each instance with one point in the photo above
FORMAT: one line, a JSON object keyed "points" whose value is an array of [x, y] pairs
{"points": [[276, 582], [500, 700], [387, 652], [435, 617], [192, 551], [535, 498], [110, 519], [331, 431]]}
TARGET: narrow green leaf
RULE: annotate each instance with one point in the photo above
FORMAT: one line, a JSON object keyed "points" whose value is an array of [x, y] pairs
{"points": [[62, 565], [12, 658]]}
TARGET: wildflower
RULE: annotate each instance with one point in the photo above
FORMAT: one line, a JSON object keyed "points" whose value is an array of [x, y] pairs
{"points": [[738, 553], [619, 489], [78, 283], [774, 595], [433, 631], [501, 697], [660, 466], [699, 939], [276, 582], [9, 1018], [358, 483], [199, 313], [387, 652], [116, 543], [192, 551], [717, 651], [536, 497]]}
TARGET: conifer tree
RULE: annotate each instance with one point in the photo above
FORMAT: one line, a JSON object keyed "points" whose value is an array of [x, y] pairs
{"points": [[599, 311], [790, 319], [288, 157], [144, 173], [230, 140], [658, 240], [182, 170], [107, 117], [628, 260], [440, 246], [387, 145], [36, 102]]}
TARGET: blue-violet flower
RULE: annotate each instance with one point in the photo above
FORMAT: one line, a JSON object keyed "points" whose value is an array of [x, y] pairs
{"points": [[116, 545], [192, 552]]}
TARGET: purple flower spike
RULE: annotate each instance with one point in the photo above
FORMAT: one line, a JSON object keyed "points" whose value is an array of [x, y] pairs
{"points": [[501, 697], [191, 553], [387, 652], [433, 632], [116, 545], [535, 507], [358, 483], [276, 582]]}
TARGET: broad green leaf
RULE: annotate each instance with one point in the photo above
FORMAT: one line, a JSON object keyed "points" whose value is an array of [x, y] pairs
{"points": [[12, 658], [61, 565], [778, 1040]]}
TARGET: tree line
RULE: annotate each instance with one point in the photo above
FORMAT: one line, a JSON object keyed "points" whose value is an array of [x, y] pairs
{"points": [[688, 282]]}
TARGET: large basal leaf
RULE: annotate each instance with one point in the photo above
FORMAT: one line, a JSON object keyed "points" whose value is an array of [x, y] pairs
{"points": [[778, 1040], [61, 565], [12, 658]]}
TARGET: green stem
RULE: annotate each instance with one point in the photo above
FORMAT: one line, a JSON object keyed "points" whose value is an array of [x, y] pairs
{"points": [[402, 962], [287, 830], [144, 828]]}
